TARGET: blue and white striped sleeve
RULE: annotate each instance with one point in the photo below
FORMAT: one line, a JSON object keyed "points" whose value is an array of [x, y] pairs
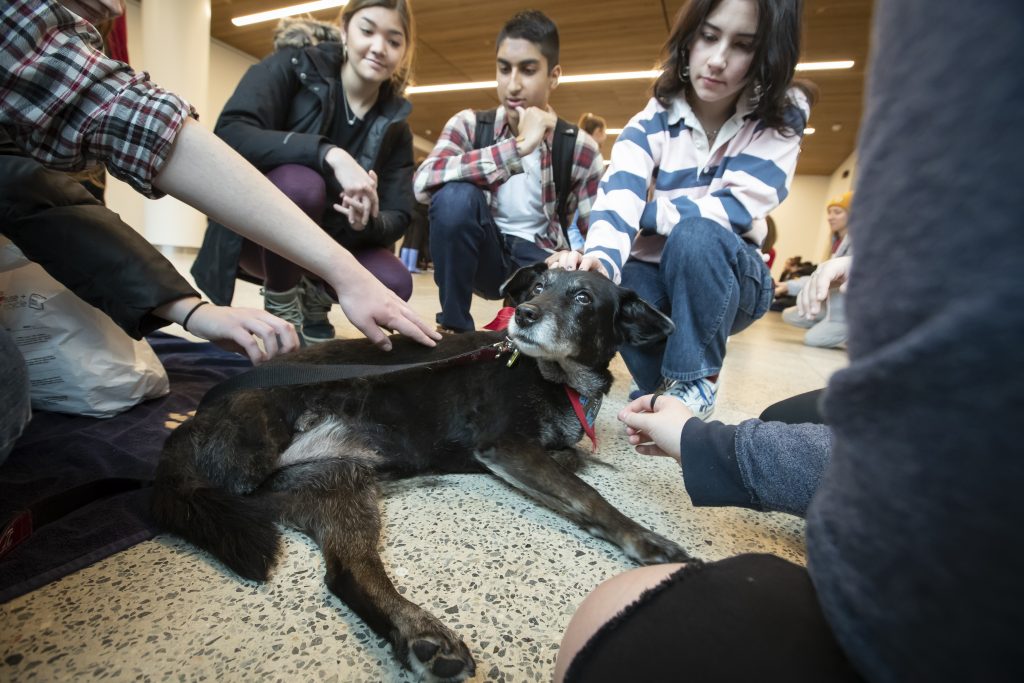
{"points": [[622, 194]]}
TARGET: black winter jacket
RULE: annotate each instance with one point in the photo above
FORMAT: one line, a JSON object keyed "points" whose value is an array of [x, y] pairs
{"points": [[86, 246], [280, 113]]}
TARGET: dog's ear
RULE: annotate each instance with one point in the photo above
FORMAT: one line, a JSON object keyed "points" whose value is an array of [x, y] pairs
{"points": [[517, 288], [640, 323]]}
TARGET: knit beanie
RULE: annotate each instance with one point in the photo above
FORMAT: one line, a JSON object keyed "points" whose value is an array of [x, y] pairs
{"points": [[842, 201]]}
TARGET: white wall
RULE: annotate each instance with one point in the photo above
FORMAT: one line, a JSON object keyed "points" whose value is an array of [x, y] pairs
{"points": [[798, 220], [227, 65]]}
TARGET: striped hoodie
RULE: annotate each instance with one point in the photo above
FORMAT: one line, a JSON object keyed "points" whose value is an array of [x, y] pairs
{"points": [[742, 177]]}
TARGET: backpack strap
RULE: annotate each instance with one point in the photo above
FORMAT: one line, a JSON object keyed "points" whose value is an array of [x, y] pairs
{"points": [[484, 135], [561, 162]]}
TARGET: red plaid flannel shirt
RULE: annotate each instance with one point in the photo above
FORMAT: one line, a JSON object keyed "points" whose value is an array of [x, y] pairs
{"points": [[68, 106], [453, 159]]}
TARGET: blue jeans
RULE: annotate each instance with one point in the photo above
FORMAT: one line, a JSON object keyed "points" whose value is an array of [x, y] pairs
{"points": [[712, 284], [469, 252], [15, 409]]}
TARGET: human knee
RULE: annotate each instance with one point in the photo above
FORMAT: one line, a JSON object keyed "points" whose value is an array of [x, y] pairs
{"points": [[304, 186], [453, 205], [603, 604]]}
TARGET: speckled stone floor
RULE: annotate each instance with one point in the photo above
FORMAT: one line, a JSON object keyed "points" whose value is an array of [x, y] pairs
{"points": [[505, 574]]}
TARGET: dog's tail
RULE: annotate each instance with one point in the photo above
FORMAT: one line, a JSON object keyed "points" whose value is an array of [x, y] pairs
{"points": [[237, 529]]}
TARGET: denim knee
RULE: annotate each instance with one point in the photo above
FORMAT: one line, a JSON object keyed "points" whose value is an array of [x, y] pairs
{"points": [[454, 205]]}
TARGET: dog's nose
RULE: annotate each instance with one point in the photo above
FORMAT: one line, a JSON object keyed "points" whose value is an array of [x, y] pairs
{"points": [[527, 314]]}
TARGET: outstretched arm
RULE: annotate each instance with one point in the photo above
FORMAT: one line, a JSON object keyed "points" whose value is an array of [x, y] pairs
{"points": [[204, 172]]}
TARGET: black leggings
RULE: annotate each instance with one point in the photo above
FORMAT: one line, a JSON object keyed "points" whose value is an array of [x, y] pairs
{"points": [[798, 409], [747, 618]]}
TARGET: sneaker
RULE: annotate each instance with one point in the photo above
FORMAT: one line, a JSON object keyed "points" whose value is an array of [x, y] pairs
{"points": [[285, 305], [316, 304], [635, 391], [699, 395]]}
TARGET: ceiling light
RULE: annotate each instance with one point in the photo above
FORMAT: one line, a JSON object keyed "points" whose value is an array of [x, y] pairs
{"points": [[824, 66], [589, 78], [808, 131], [286, 12], [613, 131]]}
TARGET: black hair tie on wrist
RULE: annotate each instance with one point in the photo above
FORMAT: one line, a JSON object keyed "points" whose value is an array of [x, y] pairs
{"points": [[184, 323]]}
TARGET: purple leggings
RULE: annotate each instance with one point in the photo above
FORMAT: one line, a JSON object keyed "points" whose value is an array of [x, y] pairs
{"points": [[308, 190]]}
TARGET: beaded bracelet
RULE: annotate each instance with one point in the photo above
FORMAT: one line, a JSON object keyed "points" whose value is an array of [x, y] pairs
{"points": [[184, 323]]}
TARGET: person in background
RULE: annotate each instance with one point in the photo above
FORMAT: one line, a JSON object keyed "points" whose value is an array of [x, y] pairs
{"points": [[827, 328], [67, 106], [495, 209], [913, 541], [596, 127], [325, 120], [722, 134]]}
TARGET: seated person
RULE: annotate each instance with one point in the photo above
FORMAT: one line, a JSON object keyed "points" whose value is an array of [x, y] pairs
{"points": [[827, 327], [497, 207], [326, 121]]}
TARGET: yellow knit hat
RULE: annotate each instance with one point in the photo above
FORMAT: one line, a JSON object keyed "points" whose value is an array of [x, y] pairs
{"points": [[842, 201]]}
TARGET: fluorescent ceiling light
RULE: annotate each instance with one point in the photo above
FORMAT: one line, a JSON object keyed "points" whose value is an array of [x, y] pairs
{"points": [[808, 131], [613, 131], [589, 78], [824, 66], [287, 12]]}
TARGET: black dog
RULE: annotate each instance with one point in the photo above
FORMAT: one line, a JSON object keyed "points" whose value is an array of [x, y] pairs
{"points": [[312, 456]]}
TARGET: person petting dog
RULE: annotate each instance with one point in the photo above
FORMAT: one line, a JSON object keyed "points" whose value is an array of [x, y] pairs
{"points": [[718, 142], [101, 106], [325, 119], [503, 185], [913, 535]]}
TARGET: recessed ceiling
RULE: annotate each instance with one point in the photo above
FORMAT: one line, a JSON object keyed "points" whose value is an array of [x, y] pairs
{"points": [[456, 43]]}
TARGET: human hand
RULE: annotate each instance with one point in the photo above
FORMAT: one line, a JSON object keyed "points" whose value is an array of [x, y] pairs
{"points": [[533, 123], [654, 424], [359, 201], [781, 289], [829, 273], [234, 329], [574, 260], [95, 11], [371, 306]]}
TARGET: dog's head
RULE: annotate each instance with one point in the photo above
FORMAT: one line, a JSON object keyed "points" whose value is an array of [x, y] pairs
{"points": [[578, 315]]}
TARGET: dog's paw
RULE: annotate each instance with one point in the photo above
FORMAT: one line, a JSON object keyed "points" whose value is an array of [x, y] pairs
{"points": [[648, 547], [437, 655]]}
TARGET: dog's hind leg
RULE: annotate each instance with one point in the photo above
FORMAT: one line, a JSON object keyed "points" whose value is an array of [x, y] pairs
{"points": [[334, 501], [533, 471]]}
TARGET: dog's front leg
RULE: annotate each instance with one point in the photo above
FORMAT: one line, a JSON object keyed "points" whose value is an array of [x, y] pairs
{"points": [[532, 470]]}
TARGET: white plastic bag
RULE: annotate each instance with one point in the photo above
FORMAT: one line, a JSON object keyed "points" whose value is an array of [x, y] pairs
{"points": [[78, 360]]}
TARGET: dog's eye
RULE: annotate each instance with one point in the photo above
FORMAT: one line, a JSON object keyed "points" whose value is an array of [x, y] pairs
{"points": [[537, 288], [583, 298]]}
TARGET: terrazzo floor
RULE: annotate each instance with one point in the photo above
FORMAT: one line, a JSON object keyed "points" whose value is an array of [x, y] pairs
{"points": [[505, 574]]}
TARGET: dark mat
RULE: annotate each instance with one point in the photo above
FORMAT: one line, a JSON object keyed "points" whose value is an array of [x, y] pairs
{"points": [[59, 452]]}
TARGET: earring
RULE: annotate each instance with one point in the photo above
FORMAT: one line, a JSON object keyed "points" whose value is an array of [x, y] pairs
{"points": [[344, 52], [755, 97], [684, 73]]}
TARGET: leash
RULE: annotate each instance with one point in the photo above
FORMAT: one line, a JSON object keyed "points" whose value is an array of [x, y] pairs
{"points": [[293, 374]]}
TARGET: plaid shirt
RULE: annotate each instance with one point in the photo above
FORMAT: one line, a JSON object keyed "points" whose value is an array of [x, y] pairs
{"points": [[453, 159], [68, 106]]}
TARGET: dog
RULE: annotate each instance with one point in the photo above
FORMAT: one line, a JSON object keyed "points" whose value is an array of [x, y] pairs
{"points": [[313, 456]]}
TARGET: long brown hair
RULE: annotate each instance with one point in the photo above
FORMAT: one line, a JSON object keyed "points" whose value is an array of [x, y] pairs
{"points": [[403, 74], [776, 52]]}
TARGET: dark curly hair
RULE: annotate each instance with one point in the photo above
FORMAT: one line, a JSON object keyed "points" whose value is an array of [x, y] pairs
{"points": [[776, 52]]}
